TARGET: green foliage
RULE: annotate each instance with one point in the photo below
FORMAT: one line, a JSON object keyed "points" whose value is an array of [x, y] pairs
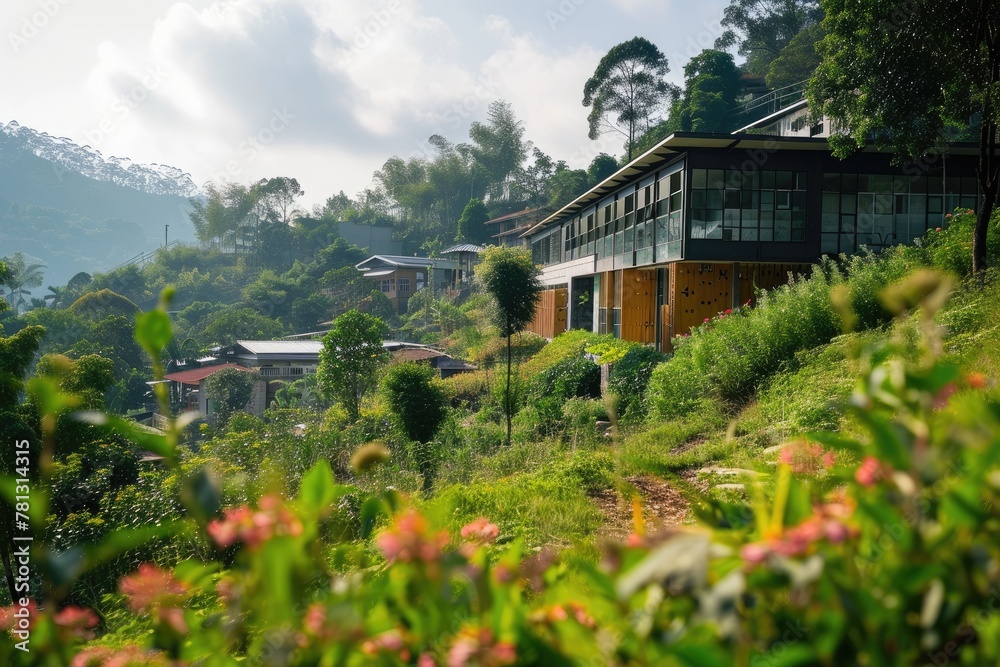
{"points": [[950, 249], [627, 89], [229, 325], [570, 344], [420, 405], [472, 223], [572, 377], [511, 279], [798, 60], [229, 390], [104, 303], [762, 29], [467, 390], [19, 276], [711, 87], [629, 378], [493, 350], [351, 358]]}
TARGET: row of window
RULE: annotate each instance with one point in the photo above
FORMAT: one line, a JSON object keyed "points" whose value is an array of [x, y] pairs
{"points": [[733, 205], [389, 285]]}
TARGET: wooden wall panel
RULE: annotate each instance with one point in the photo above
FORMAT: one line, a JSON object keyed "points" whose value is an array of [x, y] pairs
{"points": [[699, 291], [764, 276], [550, 313], [639, 306]]}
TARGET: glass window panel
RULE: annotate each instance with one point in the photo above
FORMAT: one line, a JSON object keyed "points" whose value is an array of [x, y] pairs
{"points": [[734, 179], [766, 219], [831, 182], [749, 219], [731, 234], [676, 201], [784, 180], [900, 185], [968, 202], [866, 183], [751, 200], [798, 235], [849, 182], [798, 201], [918, 184], [953, 185], [715, 199], [661, 230], [847, 224], [883, 183], [883, 204], [829, 243], [629, 203], [699, 178], [866, 222], [675, 182], [782, 231], [767, 180], [698, 198], [714, 226], [716, 179], [767, 235], [732, 198], [767, 200], [748, 235], [800, 180], [831, 202], [917, 205], [847, 243], [783, 199], [674, 233], [798, 220], [698, 229], [732, 217], [902, 204], [935, 185], [751, 180], [935, 204], [848, 204], [663, 205], [969, 185]]}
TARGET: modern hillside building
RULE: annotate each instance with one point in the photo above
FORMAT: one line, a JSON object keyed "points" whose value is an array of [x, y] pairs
{"points": [[696, 224], [398, 276]]}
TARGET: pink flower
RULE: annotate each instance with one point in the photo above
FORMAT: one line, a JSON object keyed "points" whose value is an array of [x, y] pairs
{"points": [[477, 647], [729, 311], [103, 656], [150, 587], [753, 554], [707, 320], [387, 642], [806, 458], [869, 472], [254, 528], [410, 539], [480, 531], [77, 620]]}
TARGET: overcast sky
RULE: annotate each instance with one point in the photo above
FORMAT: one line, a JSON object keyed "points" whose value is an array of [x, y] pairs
{"points": [[319, 90]]}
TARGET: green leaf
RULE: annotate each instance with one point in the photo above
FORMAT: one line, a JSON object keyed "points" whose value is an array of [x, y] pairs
{"points": [[371, 511], [318, 489], [202, 495], [143, 436], [152, 331]]}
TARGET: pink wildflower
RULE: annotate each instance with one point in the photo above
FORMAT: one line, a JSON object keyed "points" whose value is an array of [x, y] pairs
{"points": [[754, 553], [254, 528], [77, 620], [150, 587], [869, 472], [410, 539], [480, 531], [806, 458], [477, 647]]}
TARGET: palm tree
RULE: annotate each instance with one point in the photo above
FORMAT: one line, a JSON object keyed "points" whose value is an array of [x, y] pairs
{"points": [[20, 277]]}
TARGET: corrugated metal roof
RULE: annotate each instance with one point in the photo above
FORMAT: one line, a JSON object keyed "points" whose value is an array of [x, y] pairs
{"points": [[281, 346], [463, 247], [402, 260], [196, 375]]}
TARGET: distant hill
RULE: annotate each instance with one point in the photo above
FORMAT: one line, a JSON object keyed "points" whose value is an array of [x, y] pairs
{"points": [[70, 208]]}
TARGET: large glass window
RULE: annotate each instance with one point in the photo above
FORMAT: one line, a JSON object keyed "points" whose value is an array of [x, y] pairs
{"points": [[669, 211], [877, 210], [752, 206]]}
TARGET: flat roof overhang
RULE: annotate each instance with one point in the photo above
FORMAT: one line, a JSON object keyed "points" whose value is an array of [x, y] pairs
{"points": [[680, 142]]}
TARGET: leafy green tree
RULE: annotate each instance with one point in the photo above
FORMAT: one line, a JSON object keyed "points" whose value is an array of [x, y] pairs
{"points": [[565, 185], [499, 150], [760, 29], [798, 60], [511, 279], [96, 306], [351, 358], [711, 86], [420, 406], [628, 90], [902, 72], [229, 390], [600, 168], [232, 324], [472, 224], [19, 278]]}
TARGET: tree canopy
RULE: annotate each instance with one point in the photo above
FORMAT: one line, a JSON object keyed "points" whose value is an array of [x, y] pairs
{"points": [[351, 358], [711, 87], [760, 29], [628, 90], [900, 73]]}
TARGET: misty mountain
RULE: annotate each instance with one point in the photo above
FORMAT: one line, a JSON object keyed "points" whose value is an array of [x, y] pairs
{"points": [[70, 208]]}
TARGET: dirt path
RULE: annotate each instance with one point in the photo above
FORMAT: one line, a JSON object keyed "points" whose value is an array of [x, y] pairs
{"points": [[662, 507]]}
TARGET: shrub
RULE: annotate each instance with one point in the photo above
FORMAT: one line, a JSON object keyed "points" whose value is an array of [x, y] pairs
{"points": [[564, 346], [629, 377], [467, 390], [571, 377], [524, 346], [580, 417], [229, 390]]}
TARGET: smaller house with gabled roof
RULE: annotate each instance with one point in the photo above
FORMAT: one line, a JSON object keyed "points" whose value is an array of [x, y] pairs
{"points": [[187, 389], [399, 277]]}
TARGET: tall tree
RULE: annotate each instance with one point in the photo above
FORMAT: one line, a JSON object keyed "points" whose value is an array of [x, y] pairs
{"points": [[760, 29], [499, 151], [628, 90], [351, 358], [711, 86], [20, 277], [600, 168], [901, 72], [472, 224], [798, 60], [511, 279], [229, 390]]}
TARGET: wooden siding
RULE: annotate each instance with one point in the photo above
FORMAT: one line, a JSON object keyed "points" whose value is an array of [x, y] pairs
{"points": [[764, 276], [639, 306], [550, 313]]}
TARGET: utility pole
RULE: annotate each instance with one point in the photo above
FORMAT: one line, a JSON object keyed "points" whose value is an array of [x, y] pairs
{"points": [[166, 230]]}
